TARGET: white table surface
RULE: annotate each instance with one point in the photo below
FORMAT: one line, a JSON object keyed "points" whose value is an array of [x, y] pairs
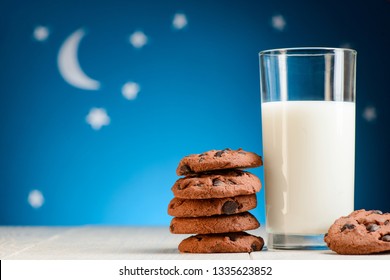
{"points": [[131, 243]]}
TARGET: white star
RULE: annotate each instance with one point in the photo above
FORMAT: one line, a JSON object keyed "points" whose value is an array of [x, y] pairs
{"points": [[130, 90], [369, 113], [278, 22], [97, 117], [41, 33], [35, 199], [179, 21], [138, 39]]}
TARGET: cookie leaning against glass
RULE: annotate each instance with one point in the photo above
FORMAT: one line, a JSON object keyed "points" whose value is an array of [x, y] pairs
{"points": [[213, 200]]}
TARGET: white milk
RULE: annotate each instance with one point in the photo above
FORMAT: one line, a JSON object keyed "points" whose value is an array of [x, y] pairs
{"points": [[309, 155]]}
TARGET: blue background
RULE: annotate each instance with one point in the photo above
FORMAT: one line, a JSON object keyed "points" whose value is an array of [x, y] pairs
{"points": [[199, 91]]}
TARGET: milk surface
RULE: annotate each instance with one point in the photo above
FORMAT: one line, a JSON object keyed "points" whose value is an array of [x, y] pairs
{"points": [[309, 155]]}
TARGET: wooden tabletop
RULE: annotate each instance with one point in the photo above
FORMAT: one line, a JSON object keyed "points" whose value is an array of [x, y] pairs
{"points": [[131, 243]]}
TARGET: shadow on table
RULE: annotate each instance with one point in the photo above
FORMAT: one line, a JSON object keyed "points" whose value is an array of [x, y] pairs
{"points": [[152, 251]]}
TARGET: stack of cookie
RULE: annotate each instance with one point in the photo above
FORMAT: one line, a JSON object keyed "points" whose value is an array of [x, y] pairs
{"points": [[212, 201]]}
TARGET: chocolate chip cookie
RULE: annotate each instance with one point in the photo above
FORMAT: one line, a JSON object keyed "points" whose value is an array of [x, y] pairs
{"points": [[179, 207], [361, 232], [218, 184], [217, 160], [214, 224], [235, 242]]}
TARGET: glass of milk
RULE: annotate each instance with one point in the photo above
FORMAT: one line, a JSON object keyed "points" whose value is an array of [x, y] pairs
{"points": [[308, 130]]}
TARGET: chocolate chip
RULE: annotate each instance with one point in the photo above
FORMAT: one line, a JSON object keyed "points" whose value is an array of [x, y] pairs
{"points": [[185, 169], [386, 238], [232, 237], [172, 228], [232, 182], [229, 207], [198, 238], [219, 153], [347, 226], [199, 184], [326, 234], [217, 182], [386, 222], [183, 186], [377, 212], [201, 157], [372, 227], [254, 247]]}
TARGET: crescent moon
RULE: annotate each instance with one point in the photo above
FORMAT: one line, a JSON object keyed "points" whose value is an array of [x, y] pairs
{"points": [[69, 66]]}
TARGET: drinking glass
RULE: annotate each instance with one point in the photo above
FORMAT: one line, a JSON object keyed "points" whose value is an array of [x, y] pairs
{"points": [[308, 130]]}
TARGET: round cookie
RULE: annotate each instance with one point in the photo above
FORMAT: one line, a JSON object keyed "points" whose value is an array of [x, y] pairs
{"points": [[362, 232], [217, 160], [237, 242], [179, 207], [223, 183], [214, 224]]}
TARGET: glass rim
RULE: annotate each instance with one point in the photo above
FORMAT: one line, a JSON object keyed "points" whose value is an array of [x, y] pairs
{"points": [[306, 51]]}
